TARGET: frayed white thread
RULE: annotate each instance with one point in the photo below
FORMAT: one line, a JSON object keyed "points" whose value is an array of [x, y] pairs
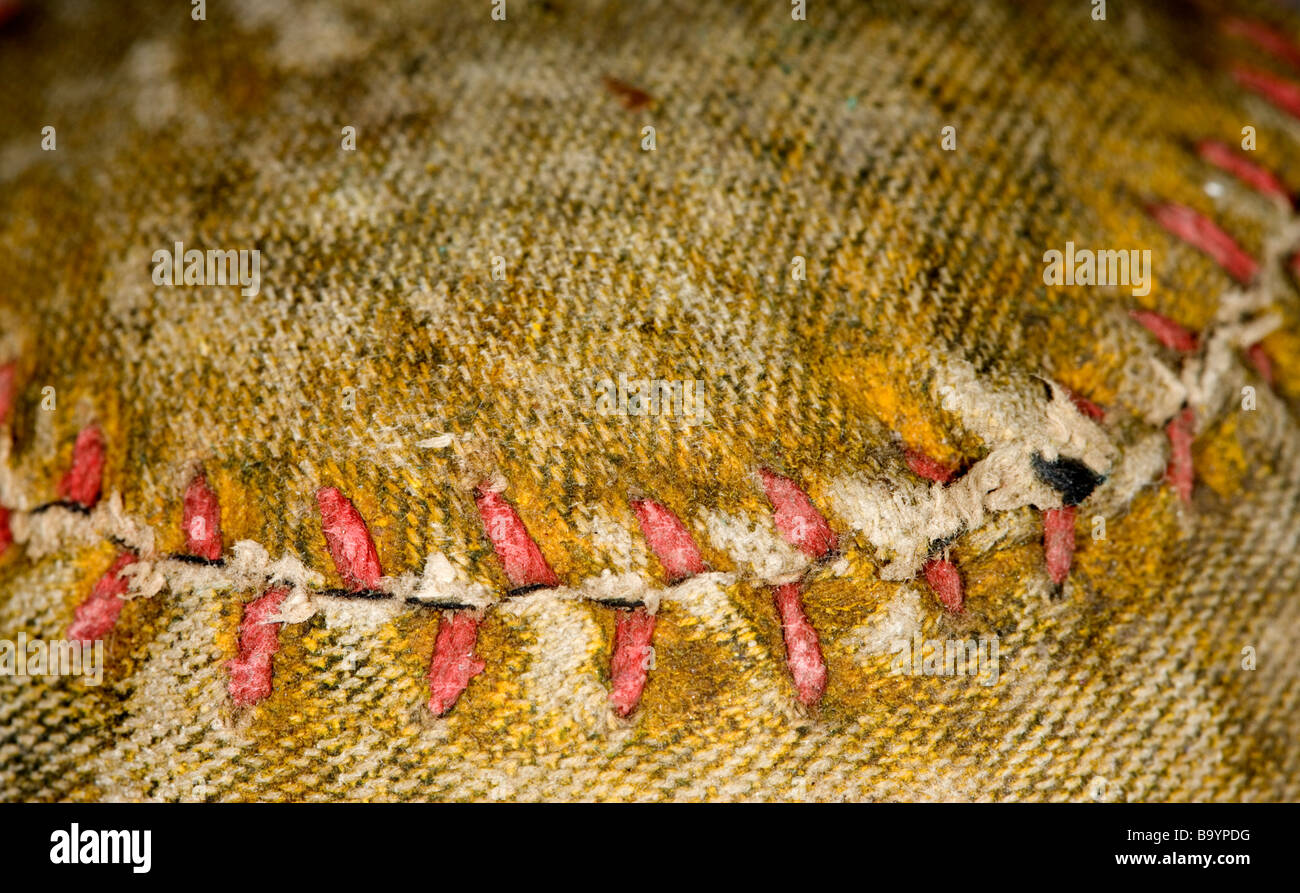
{"points": [[902, 519], [1205, 380], [58, 526], [1206, 377], [441, 583], [1141, 465], [1152, 388], [1009, 417], [362, 613], [629, 587], [755, 545]]}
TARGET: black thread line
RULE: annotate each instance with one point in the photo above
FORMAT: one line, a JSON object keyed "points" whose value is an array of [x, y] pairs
{"points": [[524, 590], [197, 559], [61, 504], [362, 594], [624, 604], [438, 605]]}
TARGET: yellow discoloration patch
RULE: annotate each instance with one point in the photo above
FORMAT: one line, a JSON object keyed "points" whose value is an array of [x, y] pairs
{"points": [[1218, 459]]}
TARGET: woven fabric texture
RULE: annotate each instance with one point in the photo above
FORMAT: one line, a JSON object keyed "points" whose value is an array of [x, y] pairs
{"points": [[381, 357]]}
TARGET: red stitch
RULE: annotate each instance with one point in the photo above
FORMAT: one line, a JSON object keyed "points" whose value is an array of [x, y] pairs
{"points": [[1087, 407], [669, 540], [1282, 93], [202, 519], [349, 540], [6, 534], [944, 579], [519, 553], [94, 618], [676, 550], [1179, 473], [6, 391], [629, 668], [1265, 37], [84, 478], [1262, 362], [803, 653], [1222, 156], [799, 522], [1201, 232], [454, 662], [1058, 541], [259, 640], [796, 518], [928, 468], [1167, 332], [941, 574], [631, 98]]}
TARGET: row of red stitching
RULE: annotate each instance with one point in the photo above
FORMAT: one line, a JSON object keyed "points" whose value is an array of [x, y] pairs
{"points": [[798, 521]]}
